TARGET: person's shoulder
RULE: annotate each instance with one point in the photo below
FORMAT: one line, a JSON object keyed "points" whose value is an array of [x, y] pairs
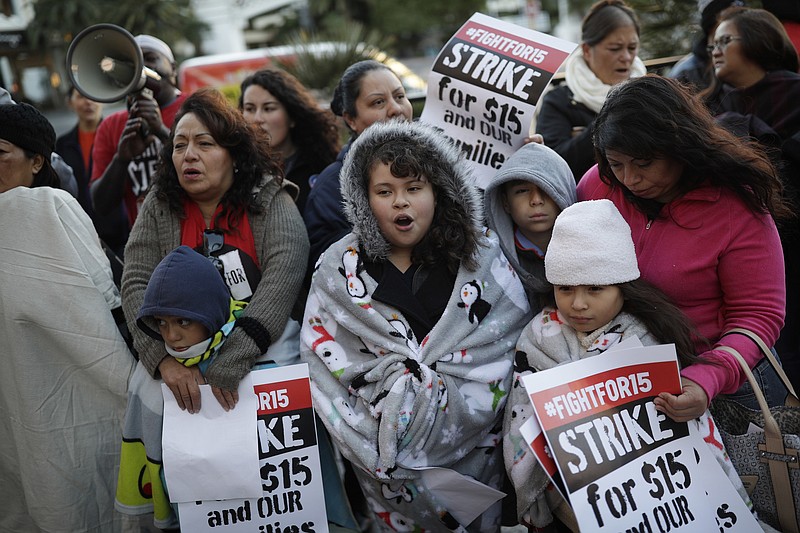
{"points": [[113, 122], [560, 95], [591, 187], [67, 138]]}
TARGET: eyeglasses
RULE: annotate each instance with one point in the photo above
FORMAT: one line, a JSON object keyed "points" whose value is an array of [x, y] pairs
{"points": [[722, 43], [213, 241]]}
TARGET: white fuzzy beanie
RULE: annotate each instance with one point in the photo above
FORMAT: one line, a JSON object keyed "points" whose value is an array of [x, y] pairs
{"points": [[591, 245]]}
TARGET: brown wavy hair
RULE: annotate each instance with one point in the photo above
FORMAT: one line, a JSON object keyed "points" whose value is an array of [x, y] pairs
{"points": [[315, 132], [248, 146]]}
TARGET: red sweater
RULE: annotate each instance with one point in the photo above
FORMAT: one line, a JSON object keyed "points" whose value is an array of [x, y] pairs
{"points": [[718, 261]]}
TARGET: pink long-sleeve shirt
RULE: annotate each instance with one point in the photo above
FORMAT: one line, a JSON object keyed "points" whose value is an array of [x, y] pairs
{"points": [[719, 262]]}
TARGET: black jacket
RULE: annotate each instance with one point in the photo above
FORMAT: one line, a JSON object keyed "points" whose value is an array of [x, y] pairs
{"points": [[559, 114]]}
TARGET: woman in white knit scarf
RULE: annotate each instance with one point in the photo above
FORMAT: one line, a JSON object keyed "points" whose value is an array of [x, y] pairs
{"points": [[607, 56]]}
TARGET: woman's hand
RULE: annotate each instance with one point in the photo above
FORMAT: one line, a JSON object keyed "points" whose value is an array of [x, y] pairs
{"points": [[535, 138], [226, 399], [184, 382], [688, 405]]}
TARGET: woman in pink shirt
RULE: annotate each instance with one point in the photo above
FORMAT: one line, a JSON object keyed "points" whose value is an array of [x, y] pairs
{"points": [[701, 204]]}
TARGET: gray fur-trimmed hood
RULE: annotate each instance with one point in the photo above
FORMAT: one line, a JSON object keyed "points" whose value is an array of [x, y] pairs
{"points": [[547, 170], [445, 168]]}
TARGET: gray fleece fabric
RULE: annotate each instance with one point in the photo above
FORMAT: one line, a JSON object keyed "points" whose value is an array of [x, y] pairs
{"points": [[546, 169]]}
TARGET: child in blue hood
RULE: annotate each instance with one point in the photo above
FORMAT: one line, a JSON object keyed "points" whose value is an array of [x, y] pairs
{"points": [[192, 323], [186, 305]]}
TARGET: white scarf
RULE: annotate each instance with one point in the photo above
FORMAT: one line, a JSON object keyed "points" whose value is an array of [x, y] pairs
{"points": [[586, 86]]}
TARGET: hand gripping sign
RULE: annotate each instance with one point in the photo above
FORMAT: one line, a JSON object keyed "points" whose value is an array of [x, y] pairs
{"points": [[289, 465], [625, 466]]}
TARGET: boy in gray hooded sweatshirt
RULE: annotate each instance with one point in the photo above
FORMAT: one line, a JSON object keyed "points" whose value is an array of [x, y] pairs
{"points": [[522, 203]]}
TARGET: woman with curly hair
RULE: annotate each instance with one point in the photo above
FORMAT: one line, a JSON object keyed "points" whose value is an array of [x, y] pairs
{"points": [[303, 135], [701, 204], [220, 192], [410, 328]]}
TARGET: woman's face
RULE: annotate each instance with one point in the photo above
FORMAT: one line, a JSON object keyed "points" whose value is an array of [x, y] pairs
{"points": [[649, 179], [260, 107], [205, 169], [381, 98], [612, 58], [730, 64], [16, 168]]}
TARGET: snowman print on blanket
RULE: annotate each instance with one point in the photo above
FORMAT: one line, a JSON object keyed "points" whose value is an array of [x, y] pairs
{"points": [[327, 349]]}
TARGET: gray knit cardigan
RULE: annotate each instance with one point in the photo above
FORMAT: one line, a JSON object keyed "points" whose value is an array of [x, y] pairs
{"points": [[282, 247]]}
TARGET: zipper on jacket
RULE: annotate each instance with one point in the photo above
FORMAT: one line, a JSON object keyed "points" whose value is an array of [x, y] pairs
{"points": [[649, 223]]}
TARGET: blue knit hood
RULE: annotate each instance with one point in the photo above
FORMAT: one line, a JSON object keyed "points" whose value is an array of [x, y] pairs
{"points": [[185, 284]]}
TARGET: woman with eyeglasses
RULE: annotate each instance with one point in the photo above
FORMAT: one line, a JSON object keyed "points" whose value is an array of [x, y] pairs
{"points": [[220, 192], [757, 95], [607, 56]]}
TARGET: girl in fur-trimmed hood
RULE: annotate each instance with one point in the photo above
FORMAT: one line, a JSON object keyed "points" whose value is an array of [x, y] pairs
{"points": [[410, 327], [455, 231]]}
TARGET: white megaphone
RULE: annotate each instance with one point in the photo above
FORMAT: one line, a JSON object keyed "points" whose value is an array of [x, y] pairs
{"points": [[105, 64]]}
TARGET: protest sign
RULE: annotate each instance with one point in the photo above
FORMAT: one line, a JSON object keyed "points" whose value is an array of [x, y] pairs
{"points": [[625, 466], [484, 85], [199, 449], [291, 476], [531, 432]]}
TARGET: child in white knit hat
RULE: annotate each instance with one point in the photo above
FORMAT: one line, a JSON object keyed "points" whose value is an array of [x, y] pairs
{"points": [[598, 300]]}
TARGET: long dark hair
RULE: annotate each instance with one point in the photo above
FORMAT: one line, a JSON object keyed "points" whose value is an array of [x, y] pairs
{"points": [[662, 319], [315, 133], [248, 146], [658, 118]]}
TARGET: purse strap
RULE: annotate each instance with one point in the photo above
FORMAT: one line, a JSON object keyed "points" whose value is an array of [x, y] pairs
{"points": [[793, 398], [774, 453]]}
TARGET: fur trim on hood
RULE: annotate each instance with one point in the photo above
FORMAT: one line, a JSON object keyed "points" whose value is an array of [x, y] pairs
{"points": [[547, 170], [443, 165]]}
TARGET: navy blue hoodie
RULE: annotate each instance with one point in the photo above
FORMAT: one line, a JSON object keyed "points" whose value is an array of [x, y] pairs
{"points": [[187, 285]]}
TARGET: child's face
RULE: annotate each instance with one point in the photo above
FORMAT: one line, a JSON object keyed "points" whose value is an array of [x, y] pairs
{"points": [[588, 307], [533, 211], [403, 207], [181, 333]]}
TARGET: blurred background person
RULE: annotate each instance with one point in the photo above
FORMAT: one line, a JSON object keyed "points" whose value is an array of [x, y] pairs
{"points": [[607, 56], [127, 142], [75, 146], [756, 94], [301, 133], [695, 68], [368, 92]]}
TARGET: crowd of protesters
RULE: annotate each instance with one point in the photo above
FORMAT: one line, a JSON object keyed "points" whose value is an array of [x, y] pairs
{"points": [[201, 239]]}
